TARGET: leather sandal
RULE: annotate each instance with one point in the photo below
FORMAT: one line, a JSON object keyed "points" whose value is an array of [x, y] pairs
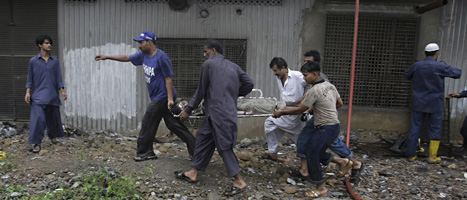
{"points": [[36, 148]]}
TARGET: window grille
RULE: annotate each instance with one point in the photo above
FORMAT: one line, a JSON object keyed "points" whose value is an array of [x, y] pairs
{"points": [[386, 48], [143, 1], [222, 2], [187, 58], [243, 2], [80, 1]]}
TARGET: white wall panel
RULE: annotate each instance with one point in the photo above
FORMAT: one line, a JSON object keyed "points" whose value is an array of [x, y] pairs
{"points": [[453, 48]]}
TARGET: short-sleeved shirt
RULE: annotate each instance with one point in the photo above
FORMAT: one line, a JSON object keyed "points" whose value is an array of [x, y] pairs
{"points": [[156, 69], [428, 84], [45, 79], [323, 98]]}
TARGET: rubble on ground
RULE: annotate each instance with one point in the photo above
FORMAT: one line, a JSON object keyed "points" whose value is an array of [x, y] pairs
{"points": [[386, 176]]}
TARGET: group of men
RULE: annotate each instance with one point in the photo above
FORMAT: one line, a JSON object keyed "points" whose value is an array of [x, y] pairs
{"points": [[221, 83], [293, 86]]}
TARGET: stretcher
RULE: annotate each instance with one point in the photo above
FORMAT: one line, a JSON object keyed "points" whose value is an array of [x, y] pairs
{"points": [[257, 106], [192, 119]]}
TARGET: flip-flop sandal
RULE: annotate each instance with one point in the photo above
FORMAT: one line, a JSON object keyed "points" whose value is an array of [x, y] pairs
{"points": [[268, 156], [144, 157], [314, 194], [54, 141], [356, 173], [297, 174], [343, 169], [36, 148], [181, 175], [233, 191]]}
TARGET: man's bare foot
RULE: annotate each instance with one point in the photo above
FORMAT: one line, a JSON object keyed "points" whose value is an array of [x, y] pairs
{"points": [[187, 176], [304, 173]]}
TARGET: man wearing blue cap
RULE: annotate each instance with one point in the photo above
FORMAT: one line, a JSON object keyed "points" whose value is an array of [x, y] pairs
{"points": [[428, 95], [158, 71]]}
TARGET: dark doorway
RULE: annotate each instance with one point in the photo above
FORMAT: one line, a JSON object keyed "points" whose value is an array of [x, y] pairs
{"points": [[22, 21]]}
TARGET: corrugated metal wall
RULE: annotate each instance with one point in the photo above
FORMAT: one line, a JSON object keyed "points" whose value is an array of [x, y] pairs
{"points": [[453, 47], [108, 95]]}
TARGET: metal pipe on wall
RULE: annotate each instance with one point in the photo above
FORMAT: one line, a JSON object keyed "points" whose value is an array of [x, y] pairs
{"points": [[352, 78], [431, 6]]}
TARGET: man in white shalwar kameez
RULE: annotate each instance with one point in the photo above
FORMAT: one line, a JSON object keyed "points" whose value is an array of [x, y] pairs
{"points": [[292, 87]]}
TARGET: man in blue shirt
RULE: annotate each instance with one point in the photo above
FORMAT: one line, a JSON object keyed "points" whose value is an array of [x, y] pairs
{"points": [[45, 80], [158, 71], [428, 94], [462, 148]]}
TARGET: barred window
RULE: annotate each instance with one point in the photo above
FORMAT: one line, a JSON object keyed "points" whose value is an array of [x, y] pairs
{"points": [[187, 59], [386, 48], [221, 2]]}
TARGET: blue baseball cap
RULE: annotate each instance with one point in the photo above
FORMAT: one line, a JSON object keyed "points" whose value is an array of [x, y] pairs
{"points": [[146, 35]]}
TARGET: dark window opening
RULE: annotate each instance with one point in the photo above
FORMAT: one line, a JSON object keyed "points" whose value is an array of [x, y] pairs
{"points": [[386, 48], [187, 58]]}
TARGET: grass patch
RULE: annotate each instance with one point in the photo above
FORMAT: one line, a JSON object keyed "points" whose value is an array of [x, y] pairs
{"points": [[6, 165], [103, 184], [7, 190]]}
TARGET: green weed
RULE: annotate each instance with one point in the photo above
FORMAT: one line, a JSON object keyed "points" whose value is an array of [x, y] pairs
{"points": [[6, 165], [98, 185]]}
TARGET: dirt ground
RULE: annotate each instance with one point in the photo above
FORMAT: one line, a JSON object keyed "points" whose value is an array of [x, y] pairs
{"points": [[387, 175]]}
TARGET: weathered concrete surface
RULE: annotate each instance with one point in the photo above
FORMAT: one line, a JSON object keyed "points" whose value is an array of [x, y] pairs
{"points": [[368, 124]]}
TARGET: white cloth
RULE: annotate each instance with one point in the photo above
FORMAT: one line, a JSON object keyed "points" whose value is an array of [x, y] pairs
{"points": [[274, 128]]}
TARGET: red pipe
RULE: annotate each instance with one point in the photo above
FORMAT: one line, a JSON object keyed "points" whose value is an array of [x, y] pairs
{"points": [[352, 72], [352, 78]]}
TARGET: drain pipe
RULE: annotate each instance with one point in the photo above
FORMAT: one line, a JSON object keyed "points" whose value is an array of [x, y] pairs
{"points": [[352, 78], [431, 6]]}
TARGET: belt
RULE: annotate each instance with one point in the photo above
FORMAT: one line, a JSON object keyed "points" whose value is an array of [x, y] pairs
{"points": [[319, 127]]}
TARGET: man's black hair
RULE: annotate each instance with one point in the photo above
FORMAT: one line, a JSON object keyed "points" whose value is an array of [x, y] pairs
{"points": [[430, 53], [310, 67], [315, 54], [280, 62], [41, 38], [213, 44]]}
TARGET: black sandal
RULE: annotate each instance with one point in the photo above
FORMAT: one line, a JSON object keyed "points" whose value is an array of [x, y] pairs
{"points": [[233, 191], [36, 148], [356, 174], [145, 157], [54, 141], [268, 156], [298, 174]]}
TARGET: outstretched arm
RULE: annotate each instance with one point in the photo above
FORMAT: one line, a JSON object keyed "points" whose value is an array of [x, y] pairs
{"points": [[121, 58], [290, 111], [458, 95]]}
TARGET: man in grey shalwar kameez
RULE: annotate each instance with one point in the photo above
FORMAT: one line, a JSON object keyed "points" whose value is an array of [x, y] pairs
{"points": [[221, 82]]}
